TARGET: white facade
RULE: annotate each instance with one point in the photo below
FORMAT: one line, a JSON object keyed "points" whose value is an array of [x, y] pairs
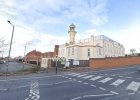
{"points": [[92, 47]]}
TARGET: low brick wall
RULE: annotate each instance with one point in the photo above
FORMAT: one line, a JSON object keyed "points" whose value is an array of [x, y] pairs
{"points": [[101, 63]]}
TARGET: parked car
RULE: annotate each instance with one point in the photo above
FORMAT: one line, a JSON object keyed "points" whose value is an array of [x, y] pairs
{"points": [[139, 69], [2, 61]]}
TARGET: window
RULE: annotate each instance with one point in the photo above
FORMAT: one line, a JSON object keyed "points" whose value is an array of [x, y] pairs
{"points": [[99, 51], [88, 52], [68, 51], [73, 51]]}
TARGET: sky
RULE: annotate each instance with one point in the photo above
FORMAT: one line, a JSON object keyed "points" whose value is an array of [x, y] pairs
{"points": [[41, 24]]}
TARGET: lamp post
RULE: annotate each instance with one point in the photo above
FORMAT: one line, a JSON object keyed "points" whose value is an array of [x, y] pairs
{"points": [[10, 44], [56, 63]]}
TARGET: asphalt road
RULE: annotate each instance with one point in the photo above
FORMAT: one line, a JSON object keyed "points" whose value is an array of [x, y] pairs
{"points": [[109, 84], [12, 67]]}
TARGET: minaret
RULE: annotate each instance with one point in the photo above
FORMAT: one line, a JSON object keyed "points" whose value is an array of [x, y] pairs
{"points": [[72, 33]]}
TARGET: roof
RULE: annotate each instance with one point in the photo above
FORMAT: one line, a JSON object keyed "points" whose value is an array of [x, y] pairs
{"points": [[72, 25]]}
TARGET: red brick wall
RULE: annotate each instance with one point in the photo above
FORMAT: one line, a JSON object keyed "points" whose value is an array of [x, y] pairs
{"points": [[101, 63]]}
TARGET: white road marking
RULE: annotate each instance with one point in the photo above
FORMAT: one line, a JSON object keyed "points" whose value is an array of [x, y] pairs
{"points": [[128, 77], [131, 93], [117, 82], [76, 98], [82, 75], [85, 83], [114, 92], [97, 95], [121, 76], [105, 80], [93, 85], [79, 81], [88, 76], [34, 91], [134, 86], [102, 88], [138, 78], [96, 78], [3, 89], [70, 78], [76, 74], [113, 75]]}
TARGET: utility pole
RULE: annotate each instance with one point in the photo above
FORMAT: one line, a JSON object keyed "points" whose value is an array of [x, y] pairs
{"points": [[24, 56]]}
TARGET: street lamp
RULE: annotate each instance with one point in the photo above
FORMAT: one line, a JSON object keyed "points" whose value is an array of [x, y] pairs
{"points": [[10, 43], [56, 63]]}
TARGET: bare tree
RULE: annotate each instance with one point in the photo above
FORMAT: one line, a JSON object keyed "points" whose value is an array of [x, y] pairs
{"points": [[133, 51], [3, 45]]}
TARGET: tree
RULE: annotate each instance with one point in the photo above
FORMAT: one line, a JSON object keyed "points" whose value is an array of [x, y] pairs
{"points": [[3, 45], [133, 51]]}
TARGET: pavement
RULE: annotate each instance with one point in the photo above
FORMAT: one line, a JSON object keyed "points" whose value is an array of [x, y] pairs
{"points": [[109, 84]]}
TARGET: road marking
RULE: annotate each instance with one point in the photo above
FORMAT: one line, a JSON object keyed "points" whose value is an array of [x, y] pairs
{"points": [[138, 78], [105, 80], [76, 98], [114, 92], [93, 85], [131, 93], [97, 95], [79, 81], [117, 82], [102, 88], [88, 76], [121, 76], [96, 78], [134, 86], [34, 91], [128, 77], [3, 89], [70, 78], [82, 75], [113, 75], [85, 83], [76, 74]]}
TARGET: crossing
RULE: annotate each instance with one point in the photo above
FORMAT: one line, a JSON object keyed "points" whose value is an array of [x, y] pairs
{"points": [[112, 81]]}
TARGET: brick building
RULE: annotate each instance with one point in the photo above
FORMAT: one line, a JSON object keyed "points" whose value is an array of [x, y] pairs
{"points": [[33, 57]]}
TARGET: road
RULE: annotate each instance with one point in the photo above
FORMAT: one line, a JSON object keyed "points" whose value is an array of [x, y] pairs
{"points": [[109, 84], [12, 67]]}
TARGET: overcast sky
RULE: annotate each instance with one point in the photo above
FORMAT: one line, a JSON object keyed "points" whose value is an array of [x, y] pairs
{"points": [[41, 24]]}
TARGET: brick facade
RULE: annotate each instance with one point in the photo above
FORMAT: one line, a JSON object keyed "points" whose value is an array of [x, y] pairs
{"points": [[101, 63]]}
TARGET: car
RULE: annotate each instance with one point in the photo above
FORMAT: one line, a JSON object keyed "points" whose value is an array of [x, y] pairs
{"points": [[2, 61], [139, 69]]}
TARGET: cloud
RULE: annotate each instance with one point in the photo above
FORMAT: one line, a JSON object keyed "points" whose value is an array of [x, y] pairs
{"points": [[40, 24]]}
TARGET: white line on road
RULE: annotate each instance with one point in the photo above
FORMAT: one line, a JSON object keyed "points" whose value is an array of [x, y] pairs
{"points": [[114, 92], [131, 93], [105, 80], [117, 82], [93, 85], [128, 77], [88, 76], [86, 96], [96, 78], [82, 75], [97, 95], [85, 83], [3, 89], [102, 88], [134, 86], [76, 98], [79, 81]]}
